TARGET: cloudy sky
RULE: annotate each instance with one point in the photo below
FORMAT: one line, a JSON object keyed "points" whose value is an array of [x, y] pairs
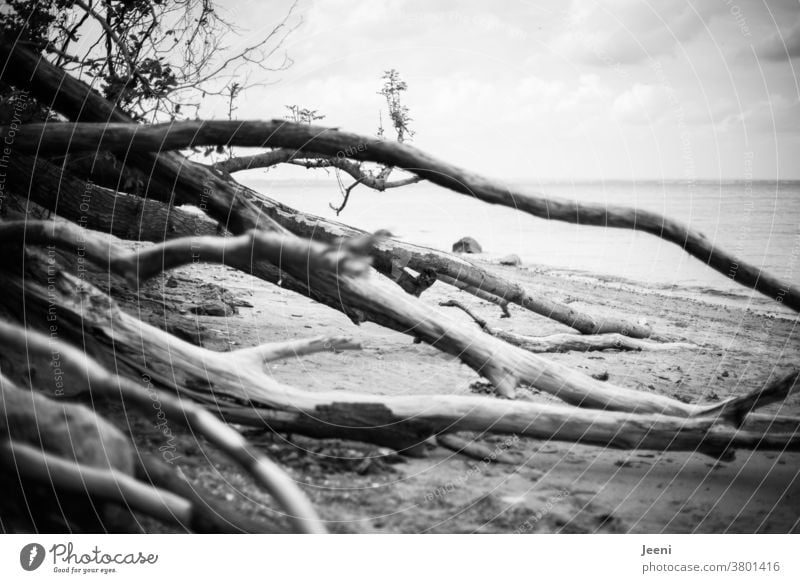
{"points": [[619, 89]]}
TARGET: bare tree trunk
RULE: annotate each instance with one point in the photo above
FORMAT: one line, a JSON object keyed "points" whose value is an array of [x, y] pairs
{"points": [[93, 206], [172, 178]]}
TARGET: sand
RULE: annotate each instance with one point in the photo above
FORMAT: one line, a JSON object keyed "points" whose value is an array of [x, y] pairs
{"points": [[552, 486]]}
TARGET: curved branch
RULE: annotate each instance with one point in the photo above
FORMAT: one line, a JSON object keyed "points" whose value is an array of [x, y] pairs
{"points": [[304, 159], [172, 178], [85, 372], [240, 252], [345, 197], [102, 484], [504, 364], [401, 422], [59, 138]]}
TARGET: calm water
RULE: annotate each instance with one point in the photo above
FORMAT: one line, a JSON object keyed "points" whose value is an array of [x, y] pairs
{"points": [[758, 221]]}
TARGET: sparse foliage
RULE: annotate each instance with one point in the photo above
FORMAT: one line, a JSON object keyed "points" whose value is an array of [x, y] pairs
{"points": [[157, 60]]}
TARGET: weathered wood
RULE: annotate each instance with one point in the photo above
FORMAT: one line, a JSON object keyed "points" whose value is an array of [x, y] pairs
{"points": [[356, 415], [502, 363], [82, 374], [173, 178], [93, 206], [243, 380], [58, 138], [374, 298], [569, 342]]}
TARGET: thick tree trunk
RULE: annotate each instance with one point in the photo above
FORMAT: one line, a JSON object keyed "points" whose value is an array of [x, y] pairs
{"points": [[95, 207]]}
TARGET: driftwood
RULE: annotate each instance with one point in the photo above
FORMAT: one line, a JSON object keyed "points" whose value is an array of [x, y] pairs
{"points": [[568, 342], [98, 208], [81, 374], [172, 178], [503, 364], [401, 422], [373, 298], [234, 385], [58, 138], [300, 158]]}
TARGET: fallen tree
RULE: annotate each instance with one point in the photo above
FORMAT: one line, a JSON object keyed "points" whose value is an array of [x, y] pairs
{"points": [[404, 423], [504, 365], [370, 297], [233, 385], [171, 178], [57, 138]]}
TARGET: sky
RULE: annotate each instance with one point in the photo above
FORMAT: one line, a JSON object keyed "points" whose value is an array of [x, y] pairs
{"points": [[552, 90]]}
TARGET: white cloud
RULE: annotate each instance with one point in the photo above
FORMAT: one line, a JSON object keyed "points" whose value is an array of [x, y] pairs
{"points": [[642, 104]]}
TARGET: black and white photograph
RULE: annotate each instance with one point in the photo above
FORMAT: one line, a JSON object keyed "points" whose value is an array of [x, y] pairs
{"points": [[399, 267]]}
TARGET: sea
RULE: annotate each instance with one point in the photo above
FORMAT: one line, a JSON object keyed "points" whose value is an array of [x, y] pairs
{"points": [[759, 221]]}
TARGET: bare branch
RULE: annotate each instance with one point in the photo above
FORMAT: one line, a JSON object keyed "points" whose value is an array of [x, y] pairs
{"points": [[569, 342], [278, 133], [265, 353], [85, 372], [398, 421], [240, 252]]}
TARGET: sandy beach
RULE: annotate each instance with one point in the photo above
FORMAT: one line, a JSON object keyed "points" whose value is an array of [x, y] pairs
{"points": [[550, 486]]}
